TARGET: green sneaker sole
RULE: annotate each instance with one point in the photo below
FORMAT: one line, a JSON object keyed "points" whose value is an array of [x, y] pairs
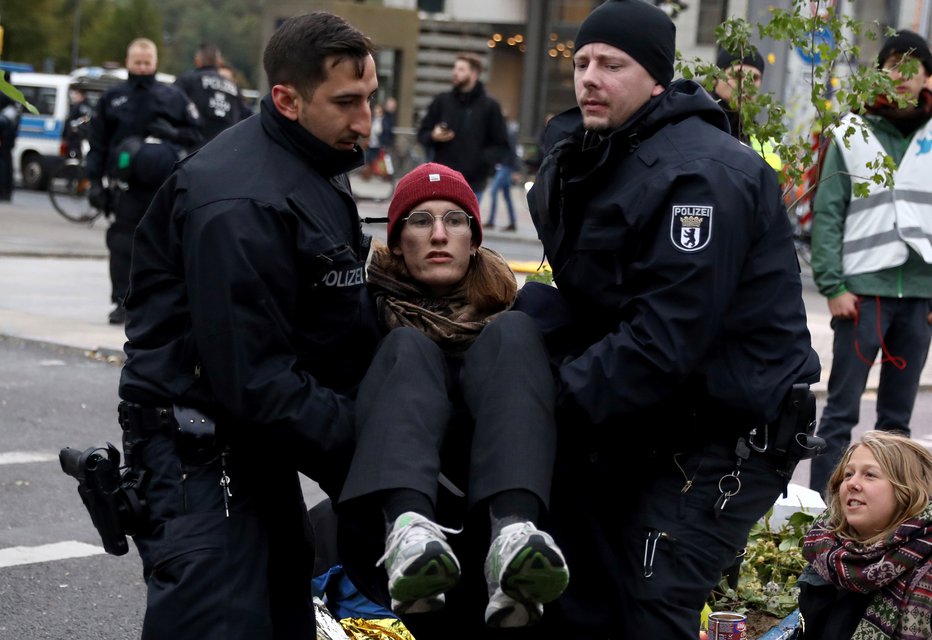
{"points": [[536, 574], [434, 571]]}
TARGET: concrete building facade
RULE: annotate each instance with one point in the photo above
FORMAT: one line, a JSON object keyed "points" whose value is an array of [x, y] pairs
{"points": [[527, 45]]}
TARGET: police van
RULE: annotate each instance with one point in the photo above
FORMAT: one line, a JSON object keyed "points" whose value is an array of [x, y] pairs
{"points": [[39, 147], [38, 143]]}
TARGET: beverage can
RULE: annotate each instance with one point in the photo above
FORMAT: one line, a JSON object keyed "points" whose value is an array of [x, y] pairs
{"points": [[727, 625]]}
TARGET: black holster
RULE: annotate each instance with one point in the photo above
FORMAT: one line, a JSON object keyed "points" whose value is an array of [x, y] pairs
{"points": [[115, 501]]}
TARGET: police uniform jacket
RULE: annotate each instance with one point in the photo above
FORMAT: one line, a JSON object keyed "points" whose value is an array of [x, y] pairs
{"points": [[247, 296], [217, 99], [669, 240], [129, 109], [481, 139]]}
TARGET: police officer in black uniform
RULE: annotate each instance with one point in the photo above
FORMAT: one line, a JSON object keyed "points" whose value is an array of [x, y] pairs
{"points": [[217, 98], [9, 125], [684, 358], [79, 115], [248, 329], [139, 129]]}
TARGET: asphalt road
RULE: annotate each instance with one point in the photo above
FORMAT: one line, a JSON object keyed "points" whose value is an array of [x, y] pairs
{"points": [[50, 398]]}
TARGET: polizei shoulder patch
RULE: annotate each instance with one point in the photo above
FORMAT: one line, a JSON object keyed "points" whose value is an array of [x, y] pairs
{"points": [[691, 227]]}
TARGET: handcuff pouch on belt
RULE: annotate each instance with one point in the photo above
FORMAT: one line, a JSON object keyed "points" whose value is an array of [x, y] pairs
{"points": [[194, 433], [790, 437], [196, 438]]}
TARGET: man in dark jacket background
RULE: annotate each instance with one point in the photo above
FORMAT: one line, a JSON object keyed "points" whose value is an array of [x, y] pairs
{"points": [[248, 310], [464, 128], [682, 341]]}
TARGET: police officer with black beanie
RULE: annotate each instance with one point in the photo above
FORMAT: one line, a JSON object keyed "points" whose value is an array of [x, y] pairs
{"points": [[677, 332]]}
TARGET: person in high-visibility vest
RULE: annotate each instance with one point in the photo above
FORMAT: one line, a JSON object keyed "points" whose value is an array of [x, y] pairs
{"points": [[737, 66]]}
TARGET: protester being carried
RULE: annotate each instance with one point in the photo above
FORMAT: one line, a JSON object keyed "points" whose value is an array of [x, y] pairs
{"points": [[478, 406]]}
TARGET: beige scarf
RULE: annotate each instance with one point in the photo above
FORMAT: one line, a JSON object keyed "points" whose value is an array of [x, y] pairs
{"points": [[453, 321]]}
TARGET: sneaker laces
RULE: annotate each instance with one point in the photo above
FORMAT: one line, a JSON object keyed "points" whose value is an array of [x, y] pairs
{"points": [[419, 529], [510, 536]]}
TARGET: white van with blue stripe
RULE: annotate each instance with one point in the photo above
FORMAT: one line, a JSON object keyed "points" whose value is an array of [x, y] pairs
{"points": [[38, 144]]}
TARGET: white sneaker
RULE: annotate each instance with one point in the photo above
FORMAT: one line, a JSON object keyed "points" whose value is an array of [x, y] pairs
{"points": [[420, 564], [524, 567]]}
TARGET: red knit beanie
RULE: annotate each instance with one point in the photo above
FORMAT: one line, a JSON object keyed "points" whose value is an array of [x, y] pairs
{"points": [[432, 181]]}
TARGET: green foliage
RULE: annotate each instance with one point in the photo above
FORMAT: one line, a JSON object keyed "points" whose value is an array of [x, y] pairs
{"points": [[233, 25], [15, 93], [838, 85], [105, 39], [34, 33], [40, 32], [772, 563], [544, 274]]}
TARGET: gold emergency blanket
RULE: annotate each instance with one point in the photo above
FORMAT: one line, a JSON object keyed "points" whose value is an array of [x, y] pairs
{"points": [[383, 629], [328, 628]]}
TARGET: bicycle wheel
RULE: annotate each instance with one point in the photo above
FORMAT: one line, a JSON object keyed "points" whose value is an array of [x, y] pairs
{"points": [[68, 187]]}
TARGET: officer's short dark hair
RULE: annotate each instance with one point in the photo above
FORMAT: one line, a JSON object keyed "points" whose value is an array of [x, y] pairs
{"points": [[297, 51], [209, 54]]}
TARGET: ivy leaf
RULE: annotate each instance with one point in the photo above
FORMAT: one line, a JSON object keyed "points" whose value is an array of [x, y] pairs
{"points": [[16, 94]]}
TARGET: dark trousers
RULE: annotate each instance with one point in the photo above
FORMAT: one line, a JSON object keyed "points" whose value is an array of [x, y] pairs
{"points": [[903, 325], [499, 435], [642, 536], [411, 423], [6, 171], [213, 577], [129, 208], [501, 183]]}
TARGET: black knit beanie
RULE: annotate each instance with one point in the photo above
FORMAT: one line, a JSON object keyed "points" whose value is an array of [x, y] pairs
{"points": [[638, 28], [752, 58], [906, 42]]}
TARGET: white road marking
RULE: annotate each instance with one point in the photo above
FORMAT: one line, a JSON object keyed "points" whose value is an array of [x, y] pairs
{"points": [[22, 457], [14, 556]]}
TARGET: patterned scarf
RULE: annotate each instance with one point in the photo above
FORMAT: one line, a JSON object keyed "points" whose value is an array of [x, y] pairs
{"points": [[895, 570], [453, 321]]}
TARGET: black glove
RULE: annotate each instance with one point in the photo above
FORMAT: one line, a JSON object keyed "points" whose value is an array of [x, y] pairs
{"points": [[98, 196], [162, 129]]}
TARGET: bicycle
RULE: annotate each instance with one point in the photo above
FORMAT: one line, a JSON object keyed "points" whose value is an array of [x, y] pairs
{"points": [[68, 187], [68, 184]]}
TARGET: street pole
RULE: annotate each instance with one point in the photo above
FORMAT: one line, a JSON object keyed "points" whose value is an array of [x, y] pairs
{"points": [[76, 34]]}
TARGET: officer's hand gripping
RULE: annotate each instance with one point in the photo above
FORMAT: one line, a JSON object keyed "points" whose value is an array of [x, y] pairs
{"points": [[98, 196]]}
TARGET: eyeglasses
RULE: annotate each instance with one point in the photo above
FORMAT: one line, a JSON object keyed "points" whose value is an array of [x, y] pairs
{"points": [[455, 222]]}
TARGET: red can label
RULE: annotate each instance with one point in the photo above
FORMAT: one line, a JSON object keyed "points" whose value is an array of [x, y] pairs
{"points": [[727, 625]]}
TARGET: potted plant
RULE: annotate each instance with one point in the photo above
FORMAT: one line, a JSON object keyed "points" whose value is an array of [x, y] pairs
{"points": [[764, 586]]}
